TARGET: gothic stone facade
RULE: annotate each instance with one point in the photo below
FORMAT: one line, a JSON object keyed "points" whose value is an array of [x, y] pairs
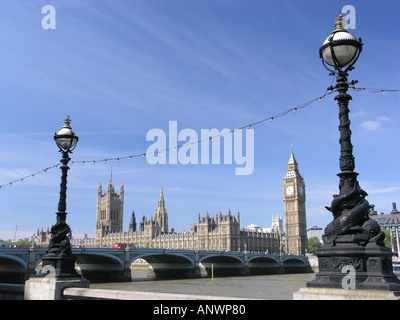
{"points": [[219, 232]]}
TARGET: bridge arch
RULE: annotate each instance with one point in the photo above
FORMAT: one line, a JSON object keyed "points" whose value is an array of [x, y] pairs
{"points": [[263, 265], [265, 259], [222, 264], [102, 258], [167, 264], [164, 258], [96, 266], [295, 264], [12, 269], [223, 257], [17, 263]]}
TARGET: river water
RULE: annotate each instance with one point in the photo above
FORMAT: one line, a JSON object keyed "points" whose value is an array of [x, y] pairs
{"points": [[274, 287]]}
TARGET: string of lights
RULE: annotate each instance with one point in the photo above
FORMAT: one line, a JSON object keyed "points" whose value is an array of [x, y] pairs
{"points": [[374, 90], [248, 126]]}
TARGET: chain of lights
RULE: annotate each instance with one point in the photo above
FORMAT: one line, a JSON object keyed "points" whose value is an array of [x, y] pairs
{"points": [[248, 126]]}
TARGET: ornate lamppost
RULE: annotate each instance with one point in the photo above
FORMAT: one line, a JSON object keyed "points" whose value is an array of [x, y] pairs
{"points": [[353, 249], [59, 255]]}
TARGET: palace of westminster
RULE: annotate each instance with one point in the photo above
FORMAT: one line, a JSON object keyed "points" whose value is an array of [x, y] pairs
{"points": [[220, 232]]}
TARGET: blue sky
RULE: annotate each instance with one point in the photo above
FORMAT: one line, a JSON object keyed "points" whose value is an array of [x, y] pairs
{"points": [[121, 68]]}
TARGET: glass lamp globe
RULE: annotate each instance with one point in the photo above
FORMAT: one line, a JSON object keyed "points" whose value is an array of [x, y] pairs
{"points": [[341, 49], [65, 138]]}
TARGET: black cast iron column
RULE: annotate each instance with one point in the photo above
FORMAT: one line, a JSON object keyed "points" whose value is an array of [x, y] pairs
{"points": [[349, 208], [62, 203], [346, 160], [58, 258]]}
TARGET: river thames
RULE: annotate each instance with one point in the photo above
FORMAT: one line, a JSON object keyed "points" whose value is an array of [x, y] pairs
{"points": [[271, 287]]}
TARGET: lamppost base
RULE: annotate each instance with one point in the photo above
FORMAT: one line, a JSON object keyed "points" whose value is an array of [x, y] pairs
{"points": [[352, 266], [60, 266], [50, 288], [57, 273]]}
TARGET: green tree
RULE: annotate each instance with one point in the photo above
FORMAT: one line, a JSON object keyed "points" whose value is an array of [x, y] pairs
{"points": [[388, 238], [313, 244]]}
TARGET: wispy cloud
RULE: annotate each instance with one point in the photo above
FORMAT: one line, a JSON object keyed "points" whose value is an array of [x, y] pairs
{"points": [[372, 125], [384, 190]]}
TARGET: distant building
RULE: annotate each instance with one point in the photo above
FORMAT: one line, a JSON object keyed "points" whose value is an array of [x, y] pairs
{"points": [[276, 226], [43, 238], [315, 231], [294, 199], [110, 210], [220, 232], [389, 221]]}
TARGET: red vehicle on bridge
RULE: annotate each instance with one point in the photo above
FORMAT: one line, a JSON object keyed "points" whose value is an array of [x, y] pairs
{"points": [[124, 245]]}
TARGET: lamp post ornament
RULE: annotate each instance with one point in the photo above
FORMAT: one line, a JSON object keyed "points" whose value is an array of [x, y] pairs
{"points": [[349, 208], [59, 255], [352, 240]]}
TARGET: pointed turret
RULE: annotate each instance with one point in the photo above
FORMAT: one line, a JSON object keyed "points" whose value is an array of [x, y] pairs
{"points": [[161, 215], [132, 222], [121, 191], [161, 201], [293, 167], [292, 159], [100, 190]]}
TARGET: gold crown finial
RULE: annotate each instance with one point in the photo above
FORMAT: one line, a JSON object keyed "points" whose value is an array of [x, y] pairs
{"points": [[67, 122], [339, 23]]}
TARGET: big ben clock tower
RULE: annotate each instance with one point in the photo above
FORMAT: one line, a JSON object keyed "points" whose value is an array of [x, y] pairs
{"points": [[294, 200]]}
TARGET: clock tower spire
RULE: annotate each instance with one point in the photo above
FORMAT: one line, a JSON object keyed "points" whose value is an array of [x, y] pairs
{"points": [[294, 200], [293, 167]]}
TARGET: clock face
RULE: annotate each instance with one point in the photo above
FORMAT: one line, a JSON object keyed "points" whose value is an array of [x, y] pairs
{"points": [[301, 190], [289, 190]]}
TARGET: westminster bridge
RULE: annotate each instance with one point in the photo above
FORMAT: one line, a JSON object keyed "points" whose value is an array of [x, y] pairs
{"points": [[111, 265]]}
